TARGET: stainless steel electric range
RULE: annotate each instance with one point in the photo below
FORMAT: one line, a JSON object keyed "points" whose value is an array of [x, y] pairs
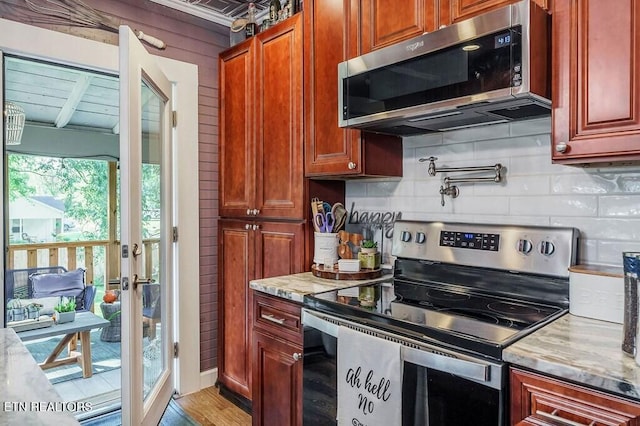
{"points": [[460, 293]]}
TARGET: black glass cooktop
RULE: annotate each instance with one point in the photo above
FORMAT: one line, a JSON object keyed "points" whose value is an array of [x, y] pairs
{"points": [[461, 319]]}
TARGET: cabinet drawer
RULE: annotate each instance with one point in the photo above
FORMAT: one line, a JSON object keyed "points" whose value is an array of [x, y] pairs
{"points": [[540, 400], [277, 316]]}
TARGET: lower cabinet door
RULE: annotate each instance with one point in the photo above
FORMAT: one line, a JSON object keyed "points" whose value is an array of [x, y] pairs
{"points": [[277, 381], [540, 400], [237, 259]]}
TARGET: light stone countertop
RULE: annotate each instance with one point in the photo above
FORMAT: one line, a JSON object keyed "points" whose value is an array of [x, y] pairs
{"points": [[582, 350], [26, 395], [296, 286]]}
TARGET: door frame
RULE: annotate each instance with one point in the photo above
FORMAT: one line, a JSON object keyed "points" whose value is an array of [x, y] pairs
{"points": [[38, 43]]}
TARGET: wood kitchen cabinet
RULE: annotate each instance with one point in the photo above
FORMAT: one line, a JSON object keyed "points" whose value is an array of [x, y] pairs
{"points": [[540, 400], [261, 179], [249, 250], [384, 22], [452, 11], [596, 102], [330, 37], [261, 149], [277, 361]]}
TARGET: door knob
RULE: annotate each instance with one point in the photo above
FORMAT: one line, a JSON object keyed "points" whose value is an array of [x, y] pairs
{"points": [[137, 280], [136, 251]]}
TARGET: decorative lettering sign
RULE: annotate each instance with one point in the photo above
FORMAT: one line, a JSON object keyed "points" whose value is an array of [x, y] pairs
{"points": [[383, 220], [369, 391]]}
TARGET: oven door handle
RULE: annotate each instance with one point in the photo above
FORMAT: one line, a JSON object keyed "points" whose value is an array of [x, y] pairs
{"points": [[320, 324], [459, 367]]}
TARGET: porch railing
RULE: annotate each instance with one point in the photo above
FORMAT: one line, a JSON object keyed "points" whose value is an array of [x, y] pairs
{"points": [[93, 256]]}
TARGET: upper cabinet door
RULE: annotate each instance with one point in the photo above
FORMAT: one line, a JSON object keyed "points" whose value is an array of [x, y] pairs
{"points": [[237, 152], [329, 149], [278, 117], [596, 102], [385, 22], [452, 11], [331, 35]]}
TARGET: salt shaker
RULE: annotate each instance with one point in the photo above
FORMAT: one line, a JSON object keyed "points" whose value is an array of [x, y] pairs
{"points": [[630, 323]]}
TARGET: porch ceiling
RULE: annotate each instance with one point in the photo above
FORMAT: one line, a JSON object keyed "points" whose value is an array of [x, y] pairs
{"points": [[63, 97], [70, 112], [220, 11]]}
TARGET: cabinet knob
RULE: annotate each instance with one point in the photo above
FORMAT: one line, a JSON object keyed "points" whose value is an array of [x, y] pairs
{"points": [[248, 212], [561, 147], [297, 356], [247, 226], [256, 227], [352, 165], [255, 212]]}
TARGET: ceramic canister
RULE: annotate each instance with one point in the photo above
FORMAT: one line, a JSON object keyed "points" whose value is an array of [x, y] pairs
{"points": [[325, 248]]}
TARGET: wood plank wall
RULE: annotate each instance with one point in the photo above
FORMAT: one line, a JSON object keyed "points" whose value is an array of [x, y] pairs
{"points": [[194, 40]]}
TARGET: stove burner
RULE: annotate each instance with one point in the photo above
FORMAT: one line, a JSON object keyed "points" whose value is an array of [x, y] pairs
{"points": [[446, 296], [512, 308], [480, 315]]}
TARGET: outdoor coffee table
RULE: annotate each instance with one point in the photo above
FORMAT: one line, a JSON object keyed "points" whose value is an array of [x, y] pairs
{"points": [[83, 324]]}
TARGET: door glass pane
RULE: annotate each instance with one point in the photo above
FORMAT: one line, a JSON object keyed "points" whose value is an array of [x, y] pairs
{"points": [[154, 360]]}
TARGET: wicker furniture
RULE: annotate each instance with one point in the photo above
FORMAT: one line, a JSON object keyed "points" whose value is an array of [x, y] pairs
{"points": [[111, 312]]}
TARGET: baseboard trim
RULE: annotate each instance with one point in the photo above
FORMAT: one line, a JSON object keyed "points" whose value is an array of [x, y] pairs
{"points": [[208, 378], [238, 400]]}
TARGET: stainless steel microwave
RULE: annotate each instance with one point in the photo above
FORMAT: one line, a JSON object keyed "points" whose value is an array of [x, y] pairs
{"points": [[493, 68]]}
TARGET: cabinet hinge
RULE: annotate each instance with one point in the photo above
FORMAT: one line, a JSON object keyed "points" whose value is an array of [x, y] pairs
{"points": [[174, 118], [175, 349], [175, 234]]}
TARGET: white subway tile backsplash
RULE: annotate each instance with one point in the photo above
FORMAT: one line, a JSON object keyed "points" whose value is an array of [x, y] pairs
{"points": [[582, 183], [474, 134], [582, 205], [620, 206], [382, 189], [531, 127], [603, 203], [598, 228], [610, 252], [422, 140]]}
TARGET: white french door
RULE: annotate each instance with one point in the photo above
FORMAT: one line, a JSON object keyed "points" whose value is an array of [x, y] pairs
{"points": [[145, 200]]}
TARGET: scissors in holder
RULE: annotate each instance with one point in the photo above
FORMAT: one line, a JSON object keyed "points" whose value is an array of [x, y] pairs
{"points": [[324, 221]]}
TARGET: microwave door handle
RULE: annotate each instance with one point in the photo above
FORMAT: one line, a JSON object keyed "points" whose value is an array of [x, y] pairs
{"points": [[459, 367]]}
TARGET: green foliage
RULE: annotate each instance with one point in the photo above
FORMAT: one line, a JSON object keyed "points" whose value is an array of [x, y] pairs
{"points": [[66, 304], [369, 244]]}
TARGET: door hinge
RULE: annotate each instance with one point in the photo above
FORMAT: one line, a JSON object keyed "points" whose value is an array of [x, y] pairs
{"points": [[175, 234], [174, 118], [175, 349]]}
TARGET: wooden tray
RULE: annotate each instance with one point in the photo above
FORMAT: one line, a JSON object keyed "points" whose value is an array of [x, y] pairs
{"points": [[30, 324], [335, 274]]}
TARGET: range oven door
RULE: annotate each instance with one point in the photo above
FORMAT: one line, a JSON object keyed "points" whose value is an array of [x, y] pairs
{"points": [[440, 387]]}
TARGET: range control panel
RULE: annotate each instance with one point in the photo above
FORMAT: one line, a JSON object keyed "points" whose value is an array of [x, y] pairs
{"points": [[470, 240], [539, 250]]}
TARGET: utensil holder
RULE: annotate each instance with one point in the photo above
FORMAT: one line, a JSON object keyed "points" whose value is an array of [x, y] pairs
{"points": [[325, 248]]}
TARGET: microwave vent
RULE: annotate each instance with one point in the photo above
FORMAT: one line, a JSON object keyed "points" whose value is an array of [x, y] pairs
{"points": [[522, 112]]}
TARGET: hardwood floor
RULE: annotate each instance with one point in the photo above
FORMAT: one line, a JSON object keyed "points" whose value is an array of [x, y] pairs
{"points": [[208, 407]]}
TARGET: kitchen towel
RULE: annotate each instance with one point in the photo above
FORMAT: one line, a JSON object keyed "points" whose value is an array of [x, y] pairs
{"points": [[369, 380]]}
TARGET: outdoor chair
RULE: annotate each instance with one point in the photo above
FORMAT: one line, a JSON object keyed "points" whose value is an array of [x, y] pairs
{"points": [[49, 282], [151, 307]]}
